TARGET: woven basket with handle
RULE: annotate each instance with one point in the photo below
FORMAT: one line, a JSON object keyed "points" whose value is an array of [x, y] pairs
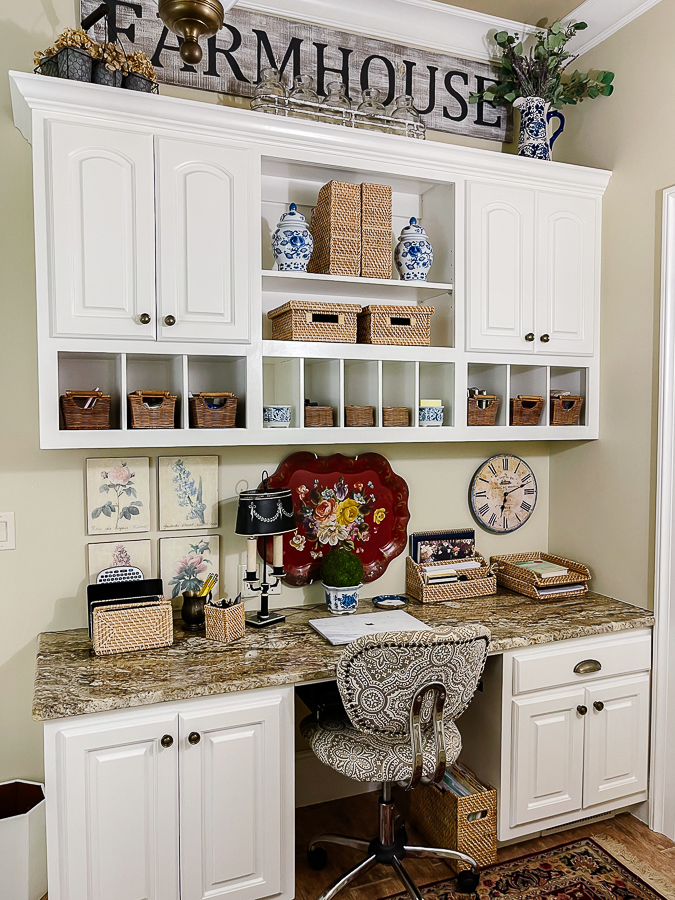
{"points": [[478, 416], [402, 326], [526, 412], [152, 409], [76, 416], [308, 320], [211, 409], [566, 410]]}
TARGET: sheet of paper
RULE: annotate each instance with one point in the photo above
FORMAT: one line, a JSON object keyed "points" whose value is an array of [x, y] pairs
{"points": [[559, 589], [341, 630]]}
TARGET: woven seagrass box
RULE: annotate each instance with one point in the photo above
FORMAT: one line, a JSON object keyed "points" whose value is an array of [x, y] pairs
{"points": [[311, 320], [376, 230], [224, 625], [336, 229], [403, 326], [123, 629], [395, 417], [318, 416], [359, 416]]}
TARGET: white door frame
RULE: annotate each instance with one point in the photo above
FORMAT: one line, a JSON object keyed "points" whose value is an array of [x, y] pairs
{"points": [[662, 790]]}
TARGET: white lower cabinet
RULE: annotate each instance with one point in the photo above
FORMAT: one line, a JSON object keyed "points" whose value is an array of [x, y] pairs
{"points": [[181, 801]]}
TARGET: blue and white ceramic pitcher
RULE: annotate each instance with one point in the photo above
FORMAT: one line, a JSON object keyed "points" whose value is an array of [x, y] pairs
{"points": [[535, 115]]}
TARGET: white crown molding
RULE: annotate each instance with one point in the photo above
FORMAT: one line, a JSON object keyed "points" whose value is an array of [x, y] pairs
{"points": [[604, 18]]}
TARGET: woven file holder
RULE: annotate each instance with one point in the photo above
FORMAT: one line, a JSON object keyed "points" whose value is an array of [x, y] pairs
{"points": [[318, 416], [213, 410], [403, 326], [375, 230], [359, 416], [225, 625], [526, 412], [307, 320], [336, 229], [130, 628], [441, 817], [157, 415], [478, 416], [566, 410], [76, 417], [479, 583], [395, 416]]}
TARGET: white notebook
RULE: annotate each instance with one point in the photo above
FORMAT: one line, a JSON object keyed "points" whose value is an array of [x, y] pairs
{"points": [[344, 629]]}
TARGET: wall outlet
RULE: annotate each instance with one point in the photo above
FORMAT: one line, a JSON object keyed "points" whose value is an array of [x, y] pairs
{"points": [[246, 592]]}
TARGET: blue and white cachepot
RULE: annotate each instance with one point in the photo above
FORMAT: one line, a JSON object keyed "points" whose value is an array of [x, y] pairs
{"points": [[277, 416], [430, 415], [292, 242], [342, 600], [414, 254], [535, 115]]}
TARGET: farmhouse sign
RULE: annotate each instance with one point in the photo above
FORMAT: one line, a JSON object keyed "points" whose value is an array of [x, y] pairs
{"points": [[251, 41]]}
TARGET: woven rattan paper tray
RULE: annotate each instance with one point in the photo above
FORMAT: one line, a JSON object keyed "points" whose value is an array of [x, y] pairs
{"points": [[125, 629], [479, 583], [530, 590], [507, 567]]}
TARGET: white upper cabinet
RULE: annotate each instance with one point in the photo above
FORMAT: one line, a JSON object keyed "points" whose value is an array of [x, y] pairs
{"points": [[102, 226], [204, 238]]}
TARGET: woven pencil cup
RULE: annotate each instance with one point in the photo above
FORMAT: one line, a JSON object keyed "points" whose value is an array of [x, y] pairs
{"points": [[359, 416], [526, 412], [152, 409], [225, 625], [395, 416], [566, 410], [76, 417], [213, 410], [479, 416]]}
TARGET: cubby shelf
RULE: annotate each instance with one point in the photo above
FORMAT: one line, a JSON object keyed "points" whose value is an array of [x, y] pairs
{"points": [[365, 289]]}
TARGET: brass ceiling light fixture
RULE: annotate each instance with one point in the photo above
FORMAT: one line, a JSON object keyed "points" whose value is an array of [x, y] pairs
{"points": [[192, 20]]}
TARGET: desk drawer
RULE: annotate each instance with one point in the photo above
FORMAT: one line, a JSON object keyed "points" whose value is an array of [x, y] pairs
{"points": [[553, 665]]}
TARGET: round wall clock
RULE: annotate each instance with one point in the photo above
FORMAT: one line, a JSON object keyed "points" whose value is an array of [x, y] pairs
{"points": [[503, 493]]}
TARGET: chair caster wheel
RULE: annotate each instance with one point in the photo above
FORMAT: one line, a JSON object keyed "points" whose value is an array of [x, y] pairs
{"points": [[317, 858], [467, 881]]}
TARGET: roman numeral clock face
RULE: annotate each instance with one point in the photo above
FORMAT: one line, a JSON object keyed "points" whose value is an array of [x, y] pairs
{"points": [[503, 493]]}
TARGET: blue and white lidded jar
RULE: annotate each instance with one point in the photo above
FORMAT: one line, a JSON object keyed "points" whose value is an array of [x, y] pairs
{"points": [[414, 254], [277, 416], [430, 415], [292, 242], [342, 600]]}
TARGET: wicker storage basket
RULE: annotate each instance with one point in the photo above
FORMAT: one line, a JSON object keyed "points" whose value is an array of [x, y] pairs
{"points": [[336, 229], [152, 409], [124, 629], [479, 583], [307, 320], [395, 416], [76, 417], [213, 410], [525, 582], [375, 230], [225, 625], [526, 412], [478, 416], [566, 410], [359, 416], [404, 326], [318, 416], [442, 818]]}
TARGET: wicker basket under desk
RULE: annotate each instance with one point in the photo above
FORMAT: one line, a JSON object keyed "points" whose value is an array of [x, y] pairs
{"points": [[478, 583], [95, 416], [523, 581], [126, 629], [442, 818]]}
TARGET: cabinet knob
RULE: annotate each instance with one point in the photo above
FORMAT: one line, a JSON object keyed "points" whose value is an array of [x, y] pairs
{"points": [[582, 710], [144, 319], [545, 338], [169, 320], [529, 336], [587, 667], [194, 737], [167, 741], [599, 705]]}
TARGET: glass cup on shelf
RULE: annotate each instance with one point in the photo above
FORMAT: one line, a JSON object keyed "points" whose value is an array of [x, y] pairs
{"points": [[372, 108], [270, 93], [404, 112], [304, 92], [337, 103]]}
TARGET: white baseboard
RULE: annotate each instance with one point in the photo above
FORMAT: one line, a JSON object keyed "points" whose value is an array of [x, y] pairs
{"points": [[317, 783]]}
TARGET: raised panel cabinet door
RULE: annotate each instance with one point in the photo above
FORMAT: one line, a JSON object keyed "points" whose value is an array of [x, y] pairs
{"points": [[567, 288], [237, 796], [102, 231], [547, 755], [617, 739], [117, 811], [205, 256], [500, 267]]}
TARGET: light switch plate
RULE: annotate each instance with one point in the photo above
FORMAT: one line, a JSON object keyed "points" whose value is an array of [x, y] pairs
{"points": [[7, 531]]}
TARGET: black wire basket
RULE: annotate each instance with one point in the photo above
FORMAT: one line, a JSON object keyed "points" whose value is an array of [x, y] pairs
{"points": [[70, 62]]}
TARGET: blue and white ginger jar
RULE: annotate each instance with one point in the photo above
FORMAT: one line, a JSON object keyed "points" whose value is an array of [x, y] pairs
{"points": [[292, 242], [342, 600], [414, 254]]}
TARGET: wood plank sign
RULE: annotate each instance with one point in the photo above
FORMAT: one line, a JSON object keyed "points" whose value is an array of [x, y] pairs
{"points": [[250, 41]]}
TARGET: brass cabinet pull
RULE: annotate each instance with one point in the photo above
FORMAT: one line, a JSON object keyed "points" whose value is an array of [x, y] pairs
{"points": [[169, 320], [582, 710], [599, 705], [587, 667], [545, 338], [529, 336], [144, 319], [167, 741], [194, 737]]}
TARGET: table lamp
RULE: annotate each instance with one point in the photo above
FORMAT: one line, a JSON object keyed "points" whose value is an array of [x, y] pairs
{"points": [[265, 513]]}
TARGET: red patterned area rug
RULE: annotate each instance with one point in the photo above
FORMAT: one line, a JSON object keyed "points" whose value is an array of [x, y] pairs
{"points": [[580, 870]]}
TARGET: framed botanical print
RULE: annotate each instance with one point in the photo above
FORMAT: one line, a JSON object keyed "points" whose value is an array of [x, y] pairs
{"points": [[109, 554], [188, 492], [185, 562], [118, 495]]}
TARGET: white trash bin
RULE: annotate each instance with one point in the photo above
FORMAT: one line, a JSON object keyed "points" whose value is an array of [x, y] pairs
{"points": [[23, 841]]}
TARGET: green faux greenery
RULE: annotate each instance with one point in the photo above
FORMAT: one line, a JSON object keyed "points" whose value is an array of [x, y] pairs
{"points": [[342, 568], [539, 72]]}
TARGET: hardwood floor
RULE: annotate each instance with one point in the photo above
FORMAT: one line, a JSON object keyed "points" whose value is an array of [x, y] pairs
{"points": [[357, 817]]}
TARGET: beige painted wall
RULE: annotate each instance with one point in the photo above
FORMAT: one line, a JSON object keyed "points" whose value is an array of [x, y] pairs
{"points": [[602, 493]]}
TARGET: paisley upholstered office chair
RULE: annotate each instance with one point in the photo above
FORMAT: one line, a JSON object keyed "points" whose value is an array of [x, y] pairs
{"points": [[401, 692]]}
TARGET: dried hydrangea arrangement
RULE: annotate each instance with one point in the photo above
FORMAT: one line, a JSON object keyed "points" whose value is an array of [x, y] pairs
{"points": [[139, 63], [71, 37], [112, 56]]}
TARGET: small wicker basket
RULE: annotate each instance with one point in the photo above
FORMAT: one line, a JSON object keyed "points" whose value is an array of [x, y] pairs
{"points": [[395, 416], [336, 229], [95, 416], [308, 320], [152, 409], [566, 410], [128, 628], [318, 416], [225, 625], [524, 581], [478, 416], [359, 416], [376, 230], [213, 410], [402, 326], [526, 412], [479, 583]]}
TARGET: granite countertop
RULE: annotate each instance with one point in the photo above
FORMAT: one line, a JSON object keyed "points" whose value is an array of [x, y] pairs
{"points": [[70, 680]]}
